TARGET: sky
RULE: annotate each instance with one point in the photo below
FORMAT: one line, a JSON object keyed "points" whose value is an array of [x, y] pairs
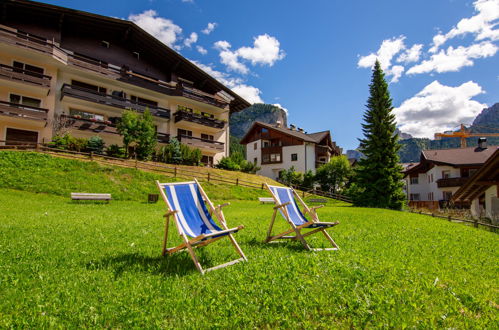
{"points": [[314, 58]]}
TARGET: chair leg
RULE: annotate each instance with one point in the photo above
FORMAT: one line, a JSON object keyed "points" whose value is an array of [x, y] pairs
{"points": [[194, 258], [302, 240], [330, 239], [238, 248], [269, 232], [167, 225]]}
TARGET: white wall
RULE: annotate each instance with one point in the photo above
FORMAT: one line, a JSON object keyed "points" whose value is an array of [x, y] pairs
{"points": [[424, 186]]}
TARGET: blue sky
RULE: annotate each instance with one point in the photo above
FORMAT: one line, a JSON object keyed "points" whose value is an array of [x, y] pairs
{"points": [[314, 57]]}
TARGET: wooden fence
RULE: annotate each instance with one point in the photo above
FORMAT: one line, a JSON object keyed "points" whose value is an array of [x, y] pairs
{"points": [[166, 169], [475, 222]]}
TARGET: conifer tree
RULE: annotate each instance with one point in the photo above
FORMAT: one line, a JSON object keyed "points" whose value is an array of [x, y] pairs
{"points": [[379, 174]]}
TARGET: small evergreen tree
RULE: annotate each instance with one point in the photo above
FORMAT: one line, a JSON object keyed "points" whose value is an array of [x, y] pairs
{"points": [[175, 152], [146, 139], [379, 175]]}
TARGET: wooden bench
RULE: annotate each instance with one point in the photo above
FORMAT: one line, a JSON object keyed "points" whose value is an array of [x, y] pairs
{"points": [[264, 200], [91, 197], [317, 200]]}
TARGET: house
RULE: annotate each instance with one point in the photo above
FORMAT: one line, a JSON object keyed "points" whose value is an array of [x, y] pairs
{"points": [[432, 182], [73, 71], [481, 191], [275, 148]]}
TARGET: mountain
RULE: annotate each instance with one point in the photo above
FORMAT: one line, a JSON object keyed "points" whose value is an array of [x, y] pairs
{"points": [[486, 122], [241, 121]]}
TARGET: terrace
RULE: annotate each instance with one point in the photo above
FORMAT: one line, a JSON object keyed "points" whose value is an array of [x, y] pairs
{"points": [[23, 111], [200, 119], [451, 182], [17, 74], [201, 143], [111, 100]]}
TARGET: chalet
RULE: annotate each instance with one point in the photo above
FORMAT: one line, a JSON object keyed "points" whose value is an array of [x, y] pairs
{"points": [[67, 68], [481, 191], [433, 181], [275, 148]]}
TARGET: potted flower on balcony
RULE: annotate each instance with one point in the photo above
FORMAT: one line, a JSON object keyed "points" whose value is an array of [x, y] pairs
{"points": [[107, 122], [93, 119], [77, 116]]}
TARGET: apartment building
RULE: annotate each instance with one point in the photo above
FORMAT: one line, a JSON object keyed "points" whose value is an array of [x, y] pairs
{"points": [[68, 70], [433, 181], [275, 148]]}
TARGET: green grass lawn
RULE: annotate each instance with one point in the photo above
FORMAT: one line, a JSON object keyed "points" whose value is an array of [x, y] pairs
{"points": [[65, 264]]}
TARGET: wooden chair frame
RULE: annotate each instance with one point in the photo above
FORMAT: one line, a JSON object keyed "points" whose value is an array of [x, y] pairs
{"points": [[298, 229], [201, 240]]}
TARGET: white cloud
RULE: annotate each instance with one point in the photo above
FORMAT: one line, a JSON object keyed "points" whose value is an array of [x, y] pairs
{"points": [[388, 49], [249, 93], [438, 108], [193, 38], [188, 1], [161, 28], [280, 106], [453, 59], [396, 72], [265, 51], [482, 25], [201, 50], [411, 55], [209, 28]]}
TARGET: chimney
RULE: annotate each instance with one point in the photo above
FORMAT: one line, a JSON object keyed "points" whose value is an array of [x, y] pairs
{"points": [[278, 124], [300, 129], [482, 143], [292, 127]]}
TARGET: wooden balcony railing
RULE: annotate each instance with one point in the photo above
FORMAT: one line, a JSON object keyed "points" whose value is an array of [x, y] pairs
{"points": [[198, 119], [23, 111], [201, 143], [162, 137], [89, 125], [111, 100], [451, 182], [26, 76]]}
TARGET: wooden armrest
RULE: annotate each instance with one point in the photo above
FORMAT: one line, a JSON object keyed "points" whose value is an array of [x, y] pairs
{"points": [[316, 207], [169, 213], [281, 205], [222, 205]]}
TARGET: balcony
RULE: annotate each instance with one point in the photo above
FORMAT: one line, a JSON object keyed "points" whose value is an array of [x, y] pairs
{"points": [[198, 119], [23, 111], [26, 76], [451, 182], [198, 143], [88, 125], [163, 138], [111, 100]]}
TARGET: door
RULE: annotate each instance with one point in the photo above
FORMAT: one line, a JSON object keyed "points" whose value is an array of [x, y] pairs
{"points": [[18, 136]]}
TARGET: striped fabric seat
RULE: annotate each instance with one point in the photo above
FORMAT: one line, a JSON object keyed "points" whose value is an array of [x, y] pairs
{"points": [[285, 195], [192, 211]]}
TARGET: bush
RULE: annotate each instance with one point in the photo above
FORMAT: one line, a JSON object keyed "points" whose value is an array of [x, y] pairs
{"points": [[226, 163], [290, 177], [96, 144], [249, 167], [115, 150], [68, 142]]}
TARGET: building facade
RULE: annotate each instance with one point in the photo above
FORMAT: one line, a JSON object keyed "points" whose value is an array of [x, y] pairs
{"points": [[275, 148], [63, 70], [433, 181]]}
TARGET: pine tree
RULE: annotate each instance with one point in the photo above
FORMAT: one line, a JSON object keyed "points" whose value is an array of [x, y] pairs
{"points": [[379, 174]]}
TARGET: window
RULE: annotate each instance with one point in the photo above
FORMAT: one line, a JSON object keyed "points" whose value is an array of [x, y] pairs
{"points": [[430, 196], [88, 86], [414, 197], [265, 158], [183, 132], [86, 115], [141, 100], [24, 100], [294, 157], [414, 180], [28, 69], [264, 130], [447, 195], [266, 144], [207, 160], [207, 137], [255, 146], [255, 160], [275, 158], [445, 174]]}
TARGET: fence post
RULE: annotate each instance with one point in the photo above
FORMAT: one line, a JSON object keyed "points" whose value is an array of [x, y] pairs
{"points": [[37, 148], [475, 224], [175, 171], [237, 181], [91, 155], [262, 186], [208, 176], [449, 218], [303, 193]]}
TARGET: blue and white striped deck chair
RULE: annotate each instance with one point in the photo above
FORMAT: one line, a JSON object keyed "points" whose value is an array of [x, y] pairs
{"points": [[285, 200], [195, 224]]}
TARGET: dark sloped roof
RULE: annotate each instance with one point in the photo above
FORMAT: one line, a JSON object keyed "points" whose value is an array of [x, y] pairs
{"points": [[319, 136], [286, 130], [461, 156]]}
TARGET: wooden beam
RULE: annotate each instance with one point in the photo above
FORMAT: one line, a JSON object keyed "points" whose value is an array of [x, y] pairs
{"points": [[487, 183], [61, 22], [126, 35]]}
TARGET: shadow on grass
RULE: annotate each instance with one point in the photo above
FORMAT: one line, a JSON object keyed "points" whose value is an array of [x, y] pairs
{"points": [[178, 264], [286, 243]]}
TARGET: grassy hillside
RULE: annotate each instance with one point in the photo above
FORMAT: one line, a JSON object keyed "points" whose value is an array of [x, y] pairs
{"points": [[42, 173], [73, 265]]}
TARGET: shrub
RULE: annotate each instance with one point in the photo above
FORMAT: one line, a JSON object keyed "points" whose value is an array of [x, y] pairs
{"points": [[68, 142], [290, 177], [96, 144], [115, 150], [226, 163]]}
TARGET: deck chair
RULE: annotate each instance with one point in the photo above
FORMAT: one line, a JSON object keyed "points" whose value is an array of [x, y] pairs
{"points": [[186, 204], [284, 198]]}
